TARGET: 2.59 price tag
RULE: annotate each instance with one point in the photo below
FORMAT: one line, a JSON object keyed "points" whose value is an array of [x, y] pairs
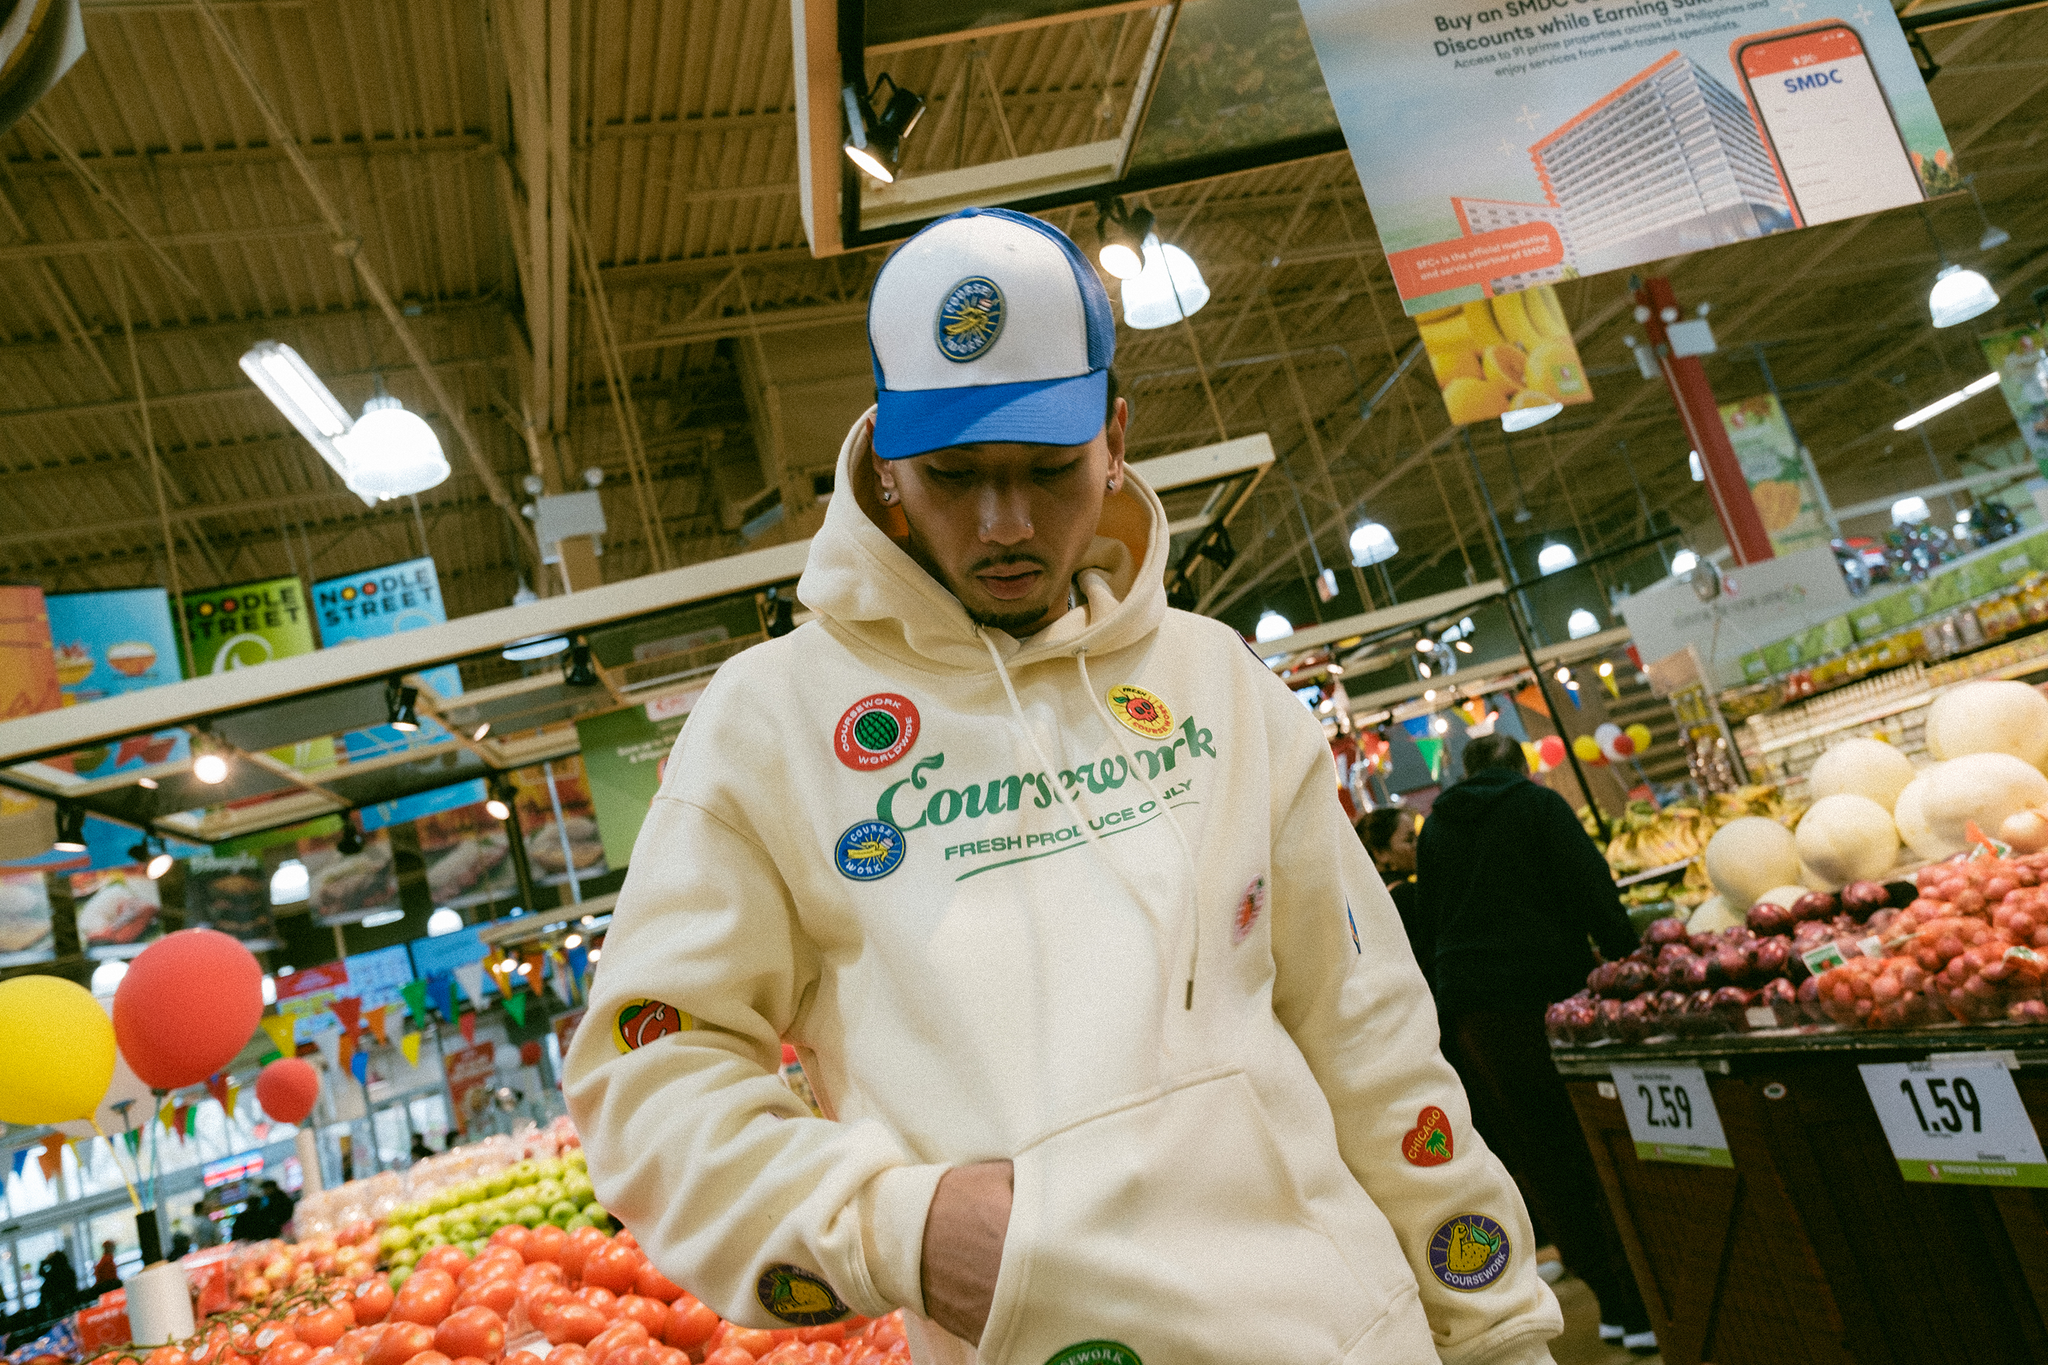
{"points": [[1671, 1116], [1956, 1121]]}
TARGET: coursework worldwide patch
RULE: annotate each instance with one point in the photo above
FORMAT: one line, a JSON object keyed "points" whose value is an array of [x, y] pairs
{"points": [[798, 1297], [1140, 711], [1097, 1353], [876, 731], [640, 1022], [870, 850], [970, 319], [1469, 1252], [1428, 1143]]}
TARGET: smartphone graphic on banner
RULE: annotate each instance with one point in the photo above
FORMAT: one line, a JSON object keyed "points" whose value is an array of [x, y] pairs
{"points": [[1826, 121]]}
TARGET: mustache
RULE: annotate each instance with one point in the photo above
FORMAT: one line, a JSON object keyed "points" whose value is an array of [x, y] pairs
{"points": [[1011, 561]]}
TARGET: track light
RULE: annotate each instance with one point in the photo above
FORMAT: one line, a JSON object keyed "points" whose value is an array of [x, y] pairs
{"points": [[1216, 547], [499, 807], [70, 829], [209, 765], [480, 731], [1123, 231], [874, 140], [400, 706], [351, 841], [577, 669]]}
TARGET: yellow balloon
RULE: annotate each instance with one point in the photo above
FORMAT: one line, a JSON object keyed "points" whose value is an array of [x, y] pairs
{"points": [[56, 1050], [1587, 748], [1640, 733]]}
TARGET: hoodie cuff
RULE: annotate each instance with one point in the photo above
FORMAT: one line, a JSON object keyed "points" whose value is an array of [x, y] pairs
{"points": [[893, 1208]]}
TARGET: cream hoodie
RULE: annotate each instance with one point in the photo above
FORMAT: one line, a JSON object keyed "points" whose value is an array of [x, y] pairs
{"points": [[1146, 961]]}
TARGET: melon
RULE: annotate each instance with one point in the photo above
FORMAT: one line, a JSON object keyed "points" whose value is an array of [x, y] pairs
{"points": [[1711, 917], [1865, 767], [1847, 838], [1910, 818], [1748, 857], [1980, 787], [1990, 717]]}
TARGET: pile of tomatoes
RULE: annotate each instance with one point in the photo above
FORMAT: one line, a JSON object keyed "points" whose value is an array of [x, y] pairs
{"points": [[532, 1296]]}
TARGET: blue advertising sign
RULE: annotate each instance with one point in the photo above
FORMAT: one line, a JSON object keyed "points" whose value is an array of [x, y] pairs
{"points": [[379, 602], [107, 644]]}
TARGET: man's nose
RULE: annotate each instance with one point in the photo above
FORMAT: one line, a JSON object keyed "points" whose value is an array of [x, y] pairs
{"points": [[1005, 516]]}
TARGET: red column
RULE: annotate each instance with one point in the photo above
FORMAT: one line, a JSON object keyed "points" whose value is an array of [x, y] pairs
{"points": [[1656, 306]]}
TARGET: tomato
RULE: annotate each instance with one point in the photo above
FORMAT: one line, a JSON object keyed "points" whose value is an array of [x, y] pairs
{"points": [[449, 1258], [649, 1313], [603, 1300], [830, 1332], [613, 1267], [325, 1326], [492, 1261], [496, 1294], [651, 1283], [625, 1238], [475, 1331], [728, 1355], [624, 1333], [577, 1322], [580, 1244], [289, 1352], [471, 1360], [522, 1358], [667, 1355], [429, 1358], [357, 1344], [426, 1298], [569, 1354], [372, 1300], [689, 1324], [547, 1243], [166, 1355], [752, 1340], [513, 1237], [400, 1342]]}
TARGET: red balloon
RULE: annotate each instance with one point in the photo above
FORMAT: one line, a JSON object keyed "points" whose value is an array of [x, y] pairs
{"points": [[1550, 749], [287, 1088], [187, 1005]]}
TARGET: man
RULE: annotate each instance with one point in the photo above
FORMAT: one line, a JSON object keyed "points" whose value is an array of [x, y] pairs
{"points": [[1514, 889], [1051, 890]]}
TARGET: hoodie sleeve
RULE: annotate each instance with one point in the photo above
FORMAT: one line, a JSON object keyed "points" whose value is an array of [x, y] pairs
{"points": [[773, 1217], [1348, 991], [1585, 881]]}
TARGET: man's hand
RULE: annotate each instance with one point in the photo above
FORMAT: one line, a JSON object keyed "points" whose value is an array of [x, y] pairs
{"points": [[963, 1246]]}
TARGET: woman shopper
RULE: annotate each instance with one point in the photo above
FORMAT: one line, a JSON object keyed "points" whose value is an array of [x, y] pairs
{"points": [[1514, 889]]}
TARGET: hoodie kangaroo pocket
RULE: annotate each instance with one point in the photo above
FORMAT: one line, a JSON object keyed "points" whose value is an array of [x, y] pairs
{"points": [[1171, 1225]]}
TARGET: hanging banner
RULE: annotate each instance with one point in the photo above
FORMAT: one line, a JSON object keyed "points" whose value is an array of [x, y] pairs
{"points": [[468, 857], [1778, 481], [2019, 357], [625, 754], [117, 911], [28, 667], [1514, 351], [25, 920], [1505, 146], [247, 624], [108, 644], [554, 846], [380, 602], [469, 1074], [231, 893]]}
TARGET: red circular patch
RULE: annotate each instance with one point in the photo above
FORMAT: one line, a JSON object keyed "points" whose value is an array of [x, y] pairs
{"points": [[876, 731]]}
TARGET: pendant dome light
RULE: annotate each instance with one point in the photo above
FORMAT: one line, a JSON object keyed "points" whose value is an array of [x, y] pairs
{"points": [[1958, 294], [391, 452], [1169, 288], [1373, 543], [1554, 557], [1272, 626], [1582, 623]]}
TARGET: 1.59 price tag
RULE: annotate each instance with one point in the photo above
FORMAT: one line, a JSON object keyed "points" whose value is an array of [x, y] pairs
{"points": [[1671, 1116], [1957, 1121]]}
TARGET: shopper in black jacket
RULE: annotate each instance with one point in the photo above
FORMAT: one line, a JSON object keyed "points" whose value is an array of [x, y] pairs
{"points": [[1514, 889]]}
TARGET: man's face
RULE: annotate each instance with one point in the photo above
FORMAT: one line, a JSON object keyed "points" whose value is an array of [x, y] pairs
{"points": [[1004, 526]]}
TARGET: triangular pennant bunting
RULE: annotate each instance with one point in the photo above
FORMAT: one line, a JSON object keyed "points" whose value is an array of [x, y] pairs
{"points": [[347, 1053], [51, 1158], [579, 963], [410, 1046], [471, 975], [348, 1009], [375, 1019], [535, 966], [515, 1005], [468, 1024], [21, 1159], [564, 991], [218, 1086], [360, 1065], [415, 995], [330, 1049], [280, 1028]]}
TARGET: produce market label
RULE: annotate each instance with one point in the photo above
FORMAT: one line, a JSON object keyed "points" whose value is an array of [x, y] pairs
{"points": [[798, 1297], [1514, 144], [876, 731], [1671, 1116], [1956, 1121], [1141, 712]]}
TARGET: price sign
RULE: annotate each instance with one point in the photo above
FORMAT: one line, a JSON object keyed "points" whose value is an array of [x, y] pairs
{"points": [[1956, 1121], [1671, 1116]]}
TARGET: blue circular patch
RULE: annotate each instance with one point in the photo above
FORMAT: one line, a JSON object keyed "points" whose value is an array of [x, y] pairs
{"points": [[970, 319], [870, 850], [1469, 1252]]}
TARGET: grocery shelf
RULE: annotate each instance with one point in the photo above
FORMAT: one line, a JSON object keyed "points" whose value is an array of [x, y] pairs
{"points": [[2028, 1044], [1822, 729]]}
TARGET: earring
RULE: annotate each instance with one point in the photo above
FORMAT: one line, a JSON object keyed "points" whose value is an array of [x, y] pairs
{"points": [[1112, 485], [888, 495]]}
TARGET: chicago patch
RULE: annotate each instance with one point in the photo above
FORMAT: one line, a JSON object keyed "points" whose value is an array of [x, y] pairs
{"points": [[798, 1297], [1469, 1252], [970, 319], [1141, 712], [876, 731], [869, 851], [1250, 906], [640, 1022], [1428, 1143]]}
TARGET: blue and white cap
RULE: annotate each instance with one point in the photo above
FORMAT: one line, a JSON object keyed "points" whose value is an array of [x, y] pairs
{"points": [[988, 325]]}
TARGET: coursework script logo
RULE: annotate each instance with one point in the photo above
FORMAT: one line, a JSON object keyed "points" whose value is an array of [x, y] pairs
{"points": [[870, 850], [970, 319], [876, 731], [1469, 1252]]}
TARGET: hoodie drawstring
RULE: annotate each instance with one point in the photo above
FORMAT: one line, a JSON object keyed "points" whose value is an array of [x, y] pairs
{"points": [[1187, 850], [1052, 772]]}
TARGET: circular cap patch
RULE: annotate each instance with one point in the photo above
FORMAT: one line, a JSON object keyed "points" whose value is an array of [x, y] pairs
{"points": [[970, 319], [798, 1297], [640, 1022], [876, 731], [1097, 1353], [1469, 1252], [1140, 711], [869, 851]]}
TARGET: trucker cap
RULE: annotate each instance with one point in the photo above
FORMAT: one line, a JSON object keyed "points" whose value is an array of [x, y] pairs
{"points": [[988, 325]]}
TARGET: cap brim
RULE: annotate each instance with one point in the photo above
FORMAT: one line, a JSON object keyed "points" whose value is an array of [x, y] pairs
{"points": [[1051, 412]]}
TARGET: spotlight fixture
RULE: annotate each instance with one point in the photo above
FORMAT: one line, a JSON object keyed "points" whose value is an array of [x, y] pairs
{"points": [[876, 126], [399, 705], [1424, 645], [148, 784], [351, 841], [480, 731], [1463, 646], [1423, 669], [577, 669], [1564, 675], [1683, 563], [70, 829], [1123, 231], [1168, 289], [209, 764], [499, 807], [1581, 624]]}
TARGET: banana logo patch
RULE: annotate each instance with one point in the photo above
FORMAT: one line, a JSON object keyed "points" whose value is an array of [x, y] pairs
{"points": [[798, 1297]]}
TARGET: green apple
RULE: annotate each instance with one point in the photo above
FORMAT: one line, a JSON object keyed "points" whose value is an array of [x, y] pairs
{"points": [[473, 1248], [461, 1230], [403, 1257], [546, 1192], [579, 1221], [531, 1215], [574, 1157], [429, 1242], [491, 1220], [576, 1188], [394, 1237], [549, 1168], [428, 1225], [561, 1211], [399, 1276], [597, 1215], [406, 1214]]}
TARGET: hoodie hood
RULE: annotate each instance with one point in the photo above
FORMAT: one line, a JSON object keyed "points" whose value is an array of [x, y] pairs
{"points": [[860, 579], [1478, 797]]}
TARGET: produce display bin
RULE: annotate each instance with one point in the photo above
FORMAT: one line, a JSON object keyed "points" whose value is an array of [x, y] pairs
{"points": [[1813, 1247]]}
